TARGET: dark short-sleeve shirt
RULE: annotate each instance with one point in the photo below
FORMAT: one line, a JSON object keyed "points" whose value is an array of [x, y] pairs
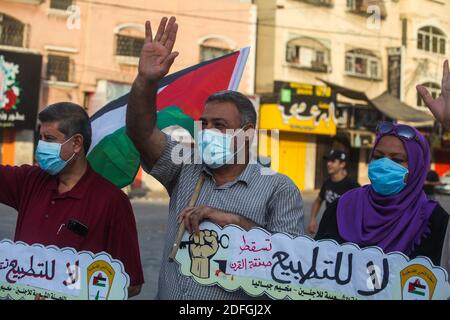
{"points": [[331, 191], [43, 214], [432, 176], [269, 199]]}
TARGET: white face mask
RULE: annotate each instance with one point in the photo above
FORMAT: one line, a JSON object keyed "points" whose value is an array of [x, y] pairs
{"points": [[215, 148]]}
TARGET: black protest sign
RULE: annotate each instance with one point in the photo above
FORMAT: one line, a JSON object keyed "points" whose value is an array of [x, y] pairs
{"points": [[20, 79]]}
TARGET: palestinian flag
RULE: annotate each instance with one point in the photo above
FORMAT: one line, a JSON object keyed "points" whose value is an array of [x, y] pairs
{"points": [[99, 281], [416, 288], [180, 101]]}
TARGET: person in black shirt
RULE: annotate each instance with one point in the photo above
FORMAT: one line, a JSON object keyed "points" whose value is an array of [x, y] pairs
{"points": [[335, 186], [431, 181], [393, 212]]}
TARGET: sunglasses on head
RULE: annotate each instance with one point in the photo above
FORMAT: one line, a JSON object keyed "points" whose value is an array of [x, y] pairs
{"points": [[401, 131]]}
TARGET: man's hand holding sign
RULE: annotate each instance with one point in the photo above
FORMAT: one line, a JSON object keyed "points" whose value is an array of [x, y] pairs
{"points": [[193, 216]]}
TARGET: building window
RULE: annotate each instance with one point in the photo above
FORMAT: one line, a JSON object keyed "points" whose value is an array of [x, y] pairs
{"points": [[309, 54], [362, 63], [433, 88], [374, 68], [129, 46], [351, 4], [58, 68], [60, 4], [213, 48], [11, 31], [362, 7], [129, 39], [208, 53], [431, 39]]}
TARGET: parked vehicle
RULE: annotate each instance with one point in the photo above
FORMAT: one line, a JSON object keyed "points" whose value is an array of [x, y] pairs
{"points": [[445, 188]]}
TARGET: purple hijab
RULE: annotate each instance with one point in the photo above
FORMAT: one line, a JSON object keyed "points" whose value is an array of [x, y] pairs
{"points": [[394, 223]]}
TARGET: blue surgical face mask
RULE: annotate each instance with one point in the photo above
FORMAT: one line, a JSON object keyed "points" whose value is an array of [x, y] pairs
{"points": [[387, 177], [215, 148], [48, 156]]}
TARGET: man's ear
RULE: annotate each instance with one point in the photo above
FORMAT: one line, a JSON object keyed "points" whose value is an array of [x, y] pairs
{"points": [[249, 130], [78, 142]]}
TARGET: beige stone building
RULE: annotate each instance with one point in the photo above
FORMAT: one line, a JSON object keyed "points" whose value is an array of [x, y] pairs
{"points": [[361, 49], [90, 48]]}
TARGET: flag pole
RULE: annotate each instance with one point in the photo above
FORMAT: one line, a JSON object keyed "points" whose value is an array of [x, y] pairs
{"points": [[181, 228]]}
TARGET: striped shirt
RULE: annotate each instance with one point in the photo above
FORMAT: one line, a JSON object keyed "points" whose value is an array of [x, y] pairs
{"points": [[272, 201]]}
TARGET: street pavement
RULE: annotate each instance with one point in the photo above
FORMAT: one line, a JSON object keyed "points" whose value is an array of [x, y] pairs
{"points": [[151, 219]]}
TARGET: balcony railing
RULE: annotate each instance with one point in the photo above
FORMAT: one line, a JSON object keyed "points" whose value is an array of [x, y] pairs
{"points": [[37, 2], [323, 3], [319, 66], [60, 4]]}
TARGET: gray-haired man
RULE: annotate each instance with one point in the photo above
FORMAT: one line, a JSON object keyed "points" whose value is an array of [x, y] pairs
{"points": [[233, 193]]}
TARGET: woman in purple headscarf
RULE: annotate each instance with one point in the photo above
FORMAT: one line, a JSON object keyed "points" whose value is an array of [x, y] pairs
{"points": [[392, 212]]}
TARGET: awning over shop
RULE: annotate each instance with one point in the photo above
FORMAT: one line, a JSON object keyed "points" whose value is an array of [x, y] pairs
{"points": [[395, 109], [387, 104], [347, 92]]}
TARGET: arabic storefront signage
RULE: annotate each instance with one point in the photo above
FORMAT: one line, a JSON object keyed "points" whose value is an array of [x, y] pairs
{"points": [[59, 274], [300, 108], [20, 78], [301, 268]]}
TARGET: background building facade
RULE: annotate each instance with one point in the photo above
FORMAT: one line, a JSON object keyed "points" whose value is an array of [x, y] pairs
{"points": [[325, 71], [90, 49], [371, 54]]}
